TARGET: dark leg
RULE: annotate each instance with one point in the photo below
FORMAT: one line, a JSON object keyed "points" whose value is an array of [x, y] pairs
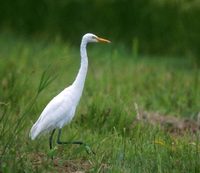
{"points": [[51, 138], [74, 142]]}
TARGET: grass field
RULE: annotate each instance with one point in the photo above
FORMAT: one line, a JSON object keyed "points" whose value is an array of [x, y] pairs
{"points": [[34, 71]]}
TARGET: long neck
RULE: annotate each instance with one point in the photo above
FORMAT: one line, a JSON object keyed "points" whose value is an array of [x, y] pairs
{"points": [[80, 78]]}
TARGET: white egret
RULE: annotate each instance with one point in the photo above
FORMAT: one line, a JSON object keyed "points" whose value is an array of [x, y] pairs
{"points": [[61, 109]]}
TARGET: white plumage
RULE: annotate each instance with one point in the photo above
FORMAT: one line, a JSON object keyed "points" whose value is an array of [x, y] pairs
{"points": [[61, 109]]}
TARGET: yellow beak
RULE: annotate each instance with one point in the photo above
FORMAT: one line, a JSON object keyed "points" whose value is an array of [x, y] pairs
{"points": [[103, 40]]}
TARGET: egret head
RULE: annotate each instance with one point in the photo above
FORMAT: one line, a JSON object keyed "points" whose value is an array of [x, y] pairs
{"points": [[93, 38]]}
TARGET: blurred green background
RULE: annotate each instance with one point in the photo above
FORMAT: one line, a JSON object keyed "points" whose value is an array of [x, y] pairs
{"points": [[150, 26]]}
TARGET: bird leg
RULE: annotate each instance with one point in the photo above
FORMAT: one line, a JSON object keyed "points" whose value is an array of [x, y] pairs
{"points": [[51, 138], [88, 150], [72, 142]]}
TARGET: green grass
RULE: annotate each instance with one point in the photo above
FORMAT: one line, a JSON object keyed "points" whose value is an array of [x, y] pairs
{"points": [[34, 71]]}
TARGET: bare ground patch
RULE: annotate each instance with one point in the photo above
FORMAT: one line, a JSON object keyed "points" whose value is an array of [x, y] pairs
{"points": [[58, 164], [173, 125]]}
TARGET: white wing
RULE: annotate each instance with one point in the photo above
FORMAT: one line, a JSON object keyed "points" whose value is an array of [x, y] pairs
{"points": [[59, 111]]}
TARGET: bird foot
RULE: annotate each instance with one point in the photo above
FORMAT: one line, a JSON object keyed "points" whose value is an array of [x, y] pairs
{"points": [[88, 149], [52, 152]]}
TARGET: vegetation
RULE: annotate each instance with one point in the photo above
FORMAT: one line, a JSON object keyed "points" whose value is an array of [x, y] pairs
{"points": [[32, 72], [155, 26]]}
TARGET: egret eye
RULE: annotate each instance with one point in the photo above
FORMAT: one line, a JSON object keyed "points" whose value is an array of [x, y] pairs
{"points": [[93, 37]]}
